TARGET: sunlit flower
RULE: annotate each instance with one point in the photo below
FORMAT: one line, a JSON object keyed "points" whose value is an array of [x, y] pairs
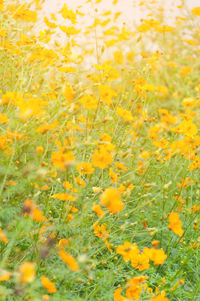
{"points": [[27, 272], [111, 199]]}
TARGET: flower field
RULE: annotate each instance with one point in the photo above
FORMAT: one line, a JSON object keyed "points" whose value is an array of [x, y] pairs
{"points": [[99, 153]]}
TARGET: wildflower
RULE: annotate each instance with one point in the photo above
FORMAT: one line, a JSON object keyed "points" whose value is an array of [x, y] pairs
{"points": [[155, 243], [111, 199], [4, 275], [85, 168], [175, 223], [27, 272], [121, 166], [24, 14], [160, 297], [106, 94], [125, 114], [69, 93], [67, 185], [46, 127], [105, 138], [134, 288], [101, 159], [185, 71], [69, 260], [118, 296], [140, 262], [3, 118], [80, 182], [98, 210], [30, 209], [68, 14], [89, 102], [196, 11], [158, 256], [113, 175], [49, 24], [118, 57], [63, 196], [50, 286], [3, 236], [40, 150], [61, 159], [128, 251], [100, 231]]}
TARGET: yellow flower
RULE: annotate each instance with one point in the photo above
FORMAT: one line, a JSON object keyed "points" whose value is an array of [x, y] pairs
{"points": [[63, 197], [85, 168], [27, 272], [3, 118], [40, 150], [111, 199], [196, 11], [89, 102], [4, 275], [98, 210], [101, 159], [125, 114], [80, 182], [3, 237], [61, 159], [68, 14], [106, 93], [69, 93]]}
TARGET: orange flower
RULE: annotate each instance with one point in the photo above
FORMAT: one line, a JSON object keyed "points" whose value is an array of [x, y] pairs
{"points": [[121, 166], [175, 223], [158, 256], [46, 127], [160, 297], [100, 231], [80, 182], [155, 243], [40, 150], [62, 160], [63, 196], [141, 262], [30, 209], [69, 260], [134, 288], [111, 199], [101, 159], [106, 93], [50, 286], [128, 251], [118, 296], [69, 93], [3, 237], [85, 168], [98, 210], [4, 275], [27, 272], [125, 114], [89, 102]]}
